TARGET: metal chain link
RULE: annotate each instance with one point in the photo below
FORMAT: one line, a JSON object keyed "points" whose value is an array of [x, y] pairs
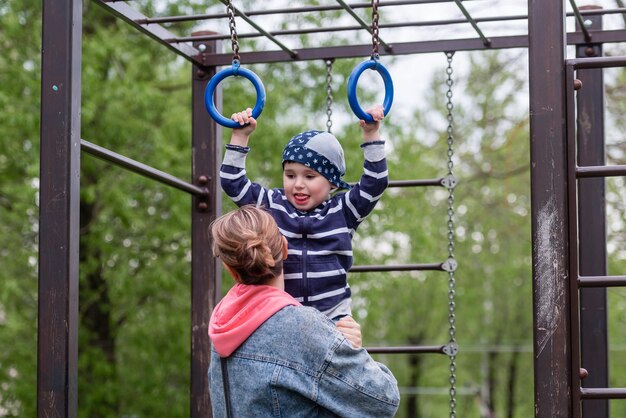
{"points": [[233, 30], [329, 94], [451, 236], [375, 41]]}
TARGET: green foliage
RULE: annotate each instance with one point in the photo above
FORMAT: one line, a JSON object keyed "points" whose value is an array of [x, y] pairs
{"points": [[19, 121]]}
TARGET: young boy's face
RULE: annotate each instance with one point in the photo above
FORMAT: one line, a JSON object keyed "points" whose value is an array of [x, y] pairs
{"points": [[305, 188]]}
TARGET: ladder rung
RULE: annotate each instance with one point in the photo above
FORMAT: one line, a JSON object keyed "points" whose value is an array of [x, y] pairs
{"points": [[601, 281], [415, 183], [397, 267], [603, 393], [437, 349], [601, 171]]}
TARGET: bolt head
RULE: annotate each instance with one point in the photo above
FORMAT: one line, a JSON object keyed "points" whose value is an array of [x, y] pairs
{"points": [[202, 47], [590, 51], [583, 373], [588, 23], [578, 84]]}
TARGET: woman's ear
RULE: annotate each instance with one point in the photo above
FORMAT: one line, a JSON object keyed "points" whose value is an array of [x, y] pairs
{"points": [[285, 248]]}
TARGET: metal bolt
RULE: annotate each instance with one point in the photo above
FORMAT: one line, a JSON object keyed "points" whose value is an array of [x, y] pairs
{"points": [[588, 23], [578, 84], [590, 51], [583, 373], [203, 206], [202, 47], [202, 180]]}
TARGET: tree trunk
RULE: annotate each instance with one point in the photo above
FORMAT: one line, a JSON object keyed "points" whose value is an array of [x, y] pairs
{"points": [[512, 379], [96, 323]]}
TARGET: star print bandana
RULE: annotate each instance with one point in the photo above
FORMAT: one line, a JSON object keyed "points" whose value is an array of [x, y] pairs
{"points": [[320, 151]]}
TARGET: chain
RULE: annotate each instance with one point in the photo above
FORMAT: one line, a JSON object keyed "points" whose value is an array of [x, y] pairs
{"points": [[375, 41], [233, 30], [451, 280], [329, 94]]}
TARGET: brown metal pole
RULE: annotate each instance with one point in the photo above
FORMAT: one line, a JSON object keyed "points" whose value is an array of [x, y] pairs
{"points": [[59, 202], [551, 322], [205, 270], [592, 223]]}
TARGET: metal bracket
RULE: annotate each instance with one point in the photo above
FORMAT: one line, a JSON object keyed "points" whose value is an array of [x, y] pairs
{"points": [[451, 349], [449, 265], [449, 182]]}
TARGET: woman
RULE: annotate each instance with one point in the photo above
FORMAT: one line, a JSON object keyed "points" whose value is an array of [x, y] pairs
{"points": [[270, 355]]}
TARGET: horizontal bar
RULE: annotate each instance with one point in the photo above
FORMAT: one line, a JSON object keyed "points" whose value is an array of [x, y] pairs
{"points": [[265, 33], [404, 48], [598, 62], [601, 171], [140, 168], [603, 393], [363, 24], [360, 51], [397, 267], [156, 32], [579, 19], [472, 22], [416, 183], [286, 10], [329, 8], [328, 29], [601, 281], [592, 12], [412, 183], [436, 349]]}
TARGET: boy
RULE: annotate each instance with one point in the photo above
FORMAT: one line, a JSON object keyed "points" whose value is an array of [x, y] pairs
{"points": [[318, 227]]}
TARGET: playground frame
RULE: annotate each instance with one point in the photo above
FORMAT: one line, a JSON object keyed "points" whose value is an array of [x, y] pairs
{"points": [[568, 228]]}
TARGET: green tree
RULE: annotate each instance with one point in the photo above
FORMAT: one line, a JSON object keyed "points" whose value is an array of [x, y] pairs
{"points": [[19, 181]]}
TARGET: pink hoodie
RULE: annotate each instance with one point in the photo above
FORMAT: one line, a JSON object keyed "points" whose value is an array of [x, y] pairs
{"points": [[241, 312]]}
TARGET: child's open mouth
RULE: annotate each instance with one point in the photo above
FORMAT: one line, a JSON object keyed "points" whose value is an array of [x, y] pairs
{"points": [[300, 198]]}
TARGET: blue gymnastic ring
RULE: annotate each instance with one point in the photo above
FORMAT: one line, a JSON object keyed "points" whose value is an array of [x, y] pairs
{"points": [[354, 79], [236, 71]]}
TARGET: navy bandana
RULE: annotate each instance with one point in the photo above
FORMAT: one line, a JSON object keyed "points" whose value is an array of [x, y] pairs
{"points": [[320, 151]]}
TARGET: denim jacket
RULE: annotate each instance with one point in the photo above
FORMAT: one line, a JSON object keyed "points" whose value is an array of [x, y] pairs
{"points": [[296, 364]]}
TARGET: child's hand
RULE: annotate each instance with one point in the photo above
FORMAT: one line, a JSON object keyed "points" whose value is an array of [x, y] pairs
{"points": [[371, 130], [248, 124], [351, 330]]}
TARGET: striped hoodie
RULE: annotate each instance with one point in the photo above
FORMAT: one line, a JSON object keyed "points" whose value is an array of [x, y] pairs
{"points": [[320, 240]]}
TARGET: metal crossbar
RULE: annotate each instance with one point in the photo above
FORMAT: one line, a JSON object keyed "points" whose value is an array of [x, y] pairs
{"points": [[603, 393], [580, 20], [141, 168], [472, 22], [414, 349], [182, 44], [288, 10], [601, 281], [363, 24], [398, 267], [268, 35], [288, 32]]}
